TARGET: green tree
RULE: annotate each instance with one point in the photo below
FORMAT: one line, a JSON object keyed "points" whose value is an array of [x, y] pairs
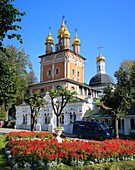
{"points": [[3, 113], [120, 97], [7, 85], [13, 75], [59, 98], [35, 101], [9, 18]]}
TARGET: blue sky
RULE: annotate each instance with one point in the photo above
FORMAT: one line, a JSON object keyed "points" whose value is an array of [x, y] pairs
{"points": [[110, 23]]}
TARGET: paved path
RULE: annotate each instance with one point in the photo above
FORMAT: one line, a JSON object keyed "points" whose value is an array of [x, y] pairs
{"points": [[8, 130]]}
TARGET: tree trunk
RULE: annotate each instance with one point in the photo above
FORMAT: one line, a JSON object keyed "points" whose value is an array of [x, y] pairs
{"points": [[116, 132], [58, 121], [32, 122]]}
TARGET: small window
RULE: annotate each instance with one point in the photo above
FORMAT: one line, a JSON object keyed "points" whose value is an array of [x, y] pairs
{"points": [[73, 71], [72, 117], [62, 118], [25, 119], [78, 73], [72, 88], [49, 73], [57, 71]]}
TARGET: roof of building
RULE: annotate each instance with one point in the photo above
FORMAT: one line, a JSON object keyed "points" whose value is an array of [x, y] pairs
{"points": [[63, 50], [101, 79], [96, 114], [60, 81]]}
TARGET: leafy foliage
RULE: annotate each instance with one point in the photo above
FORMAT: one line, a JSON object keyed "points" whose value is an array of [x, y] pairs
{"points": [[63, 97], [3, 113], [121, 96], [35, 101], [9, 17], [13, 75], [127, 64], [8, 85]]}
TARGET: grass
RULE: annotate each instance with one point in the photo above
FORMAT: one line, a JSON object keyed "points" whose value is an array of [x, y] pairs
{"points": [[122, 165]]}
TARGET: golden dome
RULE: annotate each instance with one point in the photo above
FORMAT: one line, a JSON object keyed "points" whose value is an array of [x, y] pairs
{"points": [[100, 58], [49, 39], [66, 33], [61, 30], [76, 41]]}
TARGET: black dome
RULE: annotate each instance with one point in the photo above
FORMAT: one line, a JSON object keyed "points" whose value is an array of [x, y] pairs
{"points": [[101, 79]]}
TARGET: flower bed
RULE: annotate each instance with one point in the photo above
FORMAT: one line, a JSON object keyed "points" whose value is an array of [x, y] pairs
{"points": [[30, 135], [33, 152]]}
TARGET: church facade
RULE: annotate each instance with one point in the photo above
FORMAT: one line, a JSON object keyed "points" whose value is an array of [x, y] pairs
{"points": [[63, 66], [66, 66]]}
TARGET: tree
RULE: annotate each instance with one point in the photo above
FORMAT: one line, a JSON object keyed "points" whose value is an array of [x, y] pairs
{"points": [[127, 64], [35, 101], [7, 85], [120, 97], [31, 77], [59, 98], [9, 17], [3, 113], [13, 75]]}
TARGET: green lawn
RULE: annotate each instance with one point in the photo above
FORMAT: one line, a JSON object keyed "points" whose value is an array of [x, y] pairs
{"points": [[125, 165]]}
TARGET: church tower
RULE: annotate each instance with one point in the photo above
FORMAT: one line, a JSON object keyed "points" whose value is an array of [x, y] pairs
{"points": [[101, 79], [100, 62], [76, 43], [64, 65], [49, 42], [63, 37]]}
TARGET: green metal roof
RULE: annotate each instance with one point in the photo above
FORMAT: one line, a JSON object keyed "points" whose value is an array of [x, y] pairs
{"points": [[96, 114]]}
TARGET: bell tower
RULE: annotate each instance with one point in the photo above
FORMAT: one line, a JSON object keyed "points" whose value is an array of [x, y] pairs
{"points": [[49, 42], [76, 43], [64, 65], [63, 37], [100, 62]]}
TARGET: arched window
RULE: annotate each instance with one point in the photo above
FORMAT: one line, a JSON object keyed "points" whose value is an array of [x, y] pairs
{"points": [[49, 73], [57, 71], [25, 119], [62, 118], [47, 118], [72, 88], [72, 117], [73, 71]]}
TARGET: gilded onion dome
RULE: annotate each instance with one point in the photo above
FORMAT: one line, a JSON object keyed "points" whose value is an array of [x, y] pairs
{"points": [[66, 33], [76, 40], [100, 58], [49, 39], [63, 27], [63, 31]]}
